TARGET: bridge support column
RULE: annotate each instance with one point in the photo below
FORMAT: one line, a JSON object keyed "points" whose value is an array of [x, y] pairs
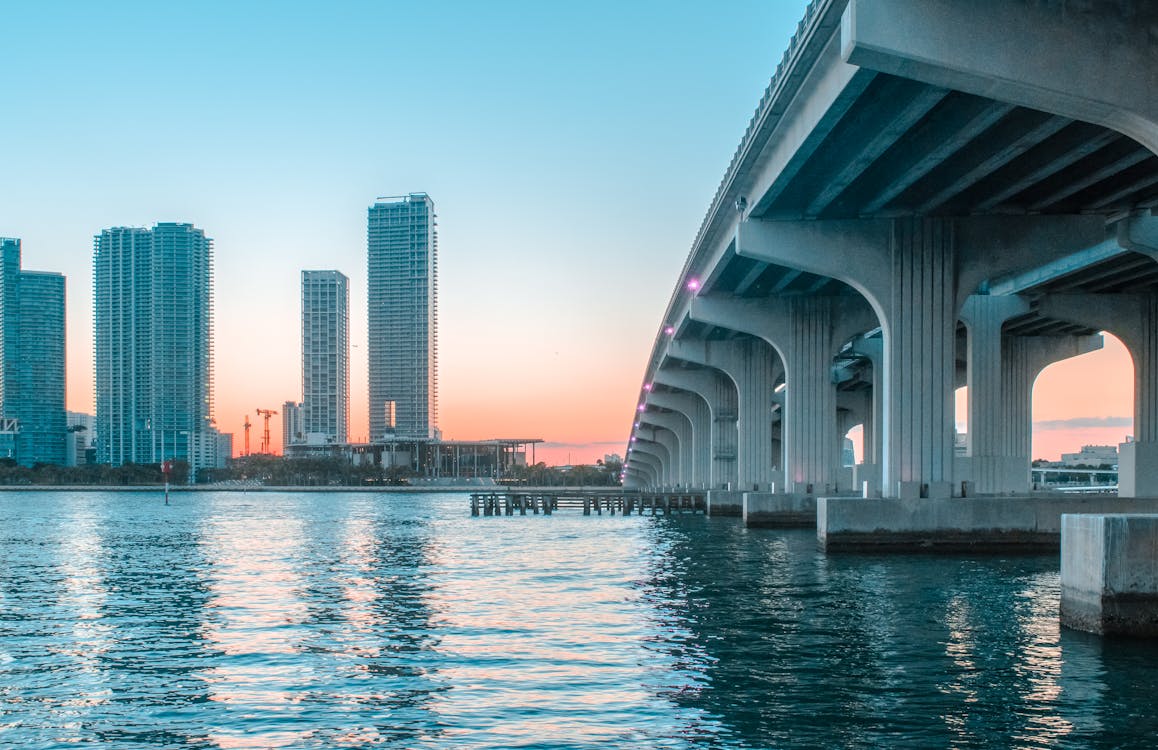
{"points": [[921, 319], [718, 393], [649, 464], [992, 470], [681, 427], [661, 455], [750, 365], [872, 447], [810, 448], [806, 332], [914, 271], [671, 444], [1134, 319], [754, 373]]}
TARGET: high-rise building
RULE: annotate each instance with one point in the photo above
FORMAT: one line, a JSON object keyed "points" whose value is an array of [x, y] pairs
{"points": [[292, 431], [325, 356], [402, 290], [32, 375], [153, 343]]}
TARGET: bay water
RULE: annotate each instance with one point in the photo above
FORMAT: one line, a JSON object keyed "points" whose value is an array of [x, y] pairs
{"points": [[351, 620]]}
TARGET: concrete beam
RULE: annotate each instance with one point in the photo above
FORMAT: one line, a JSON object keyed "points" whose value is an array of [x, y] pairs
{"points": [[1091, 61]]}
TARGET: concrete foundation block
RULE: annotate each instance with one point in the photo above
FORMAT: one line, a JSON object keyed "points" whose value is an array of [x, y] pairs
{"points": [[725, 503], [1109, 574], [1138, 470], [779, 510], [908, 490], [980, 524]]}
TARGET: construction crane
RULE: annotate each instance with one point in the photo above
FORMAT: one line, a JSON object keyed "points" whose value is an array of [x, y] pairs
{"points": [[247, 425], [266, 413]]}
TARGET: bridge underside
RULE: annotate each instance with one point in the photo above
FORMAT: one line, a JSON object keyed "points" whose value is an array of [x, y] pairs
{"points": [[908, 214]]}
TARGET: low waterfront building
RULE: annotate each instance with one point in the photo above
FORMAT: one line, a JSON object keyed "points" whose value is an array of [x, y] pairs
{"points": [[457, 459], [1092, 455]]}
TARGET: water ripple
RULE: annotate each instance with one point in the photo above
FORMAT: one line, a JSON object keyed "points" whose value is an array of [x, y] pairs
{"points": [[358, 621]]}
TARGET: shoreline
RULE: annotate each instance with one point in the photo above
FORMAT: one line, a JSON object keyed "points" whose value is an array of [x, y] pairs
{"points": [[289, 488]]}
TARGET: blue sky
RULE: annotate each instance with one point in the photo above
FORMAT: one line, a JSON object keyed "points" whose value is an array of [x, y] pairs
{"points": [[571, 151]]}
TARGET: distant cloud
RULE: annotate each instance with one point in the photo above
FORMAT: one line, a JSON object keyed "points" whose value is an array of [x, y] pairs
{"points": [[1077, 423]]}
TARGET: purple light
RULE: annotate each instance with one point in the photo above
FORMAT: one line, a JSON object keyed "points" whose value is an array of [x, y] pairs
{"points": [[694, 284], [642, 407], [669, 330], [647, 387], [633, 438], [637, 425]]}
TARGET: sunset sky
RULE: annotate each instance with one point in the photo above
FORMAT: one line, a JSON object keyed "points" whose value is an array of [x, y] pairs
{"points": [[571, 151]]}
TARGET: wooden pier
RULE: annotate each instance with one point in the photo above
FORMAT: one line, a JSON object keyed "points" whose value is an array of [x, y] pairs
{"points": [[590, 501]]}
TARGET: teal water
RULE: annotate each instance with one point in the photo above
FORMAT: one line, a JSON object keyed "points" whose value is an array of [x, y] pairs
{"points": [[233, 620]]}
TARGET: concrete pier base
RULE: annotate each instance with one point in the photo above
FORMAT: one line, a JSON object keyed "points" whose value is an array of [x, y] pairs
{"points": [[724, 503], [1109, 574], [779, 510], [980, 524]]}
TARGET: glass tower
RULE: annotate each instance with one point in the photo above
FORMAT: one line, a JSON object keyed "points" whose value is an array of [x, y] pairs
{"points": [[152, 337], [325, 356], [402, 289], [32, 376]]}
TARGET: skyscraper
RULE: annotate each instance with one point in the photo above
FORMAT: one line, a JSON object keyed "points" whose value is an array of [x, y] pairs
{"points": [[152, 335], [32, 346], [402, 287], [325, 356], [292, 431]]}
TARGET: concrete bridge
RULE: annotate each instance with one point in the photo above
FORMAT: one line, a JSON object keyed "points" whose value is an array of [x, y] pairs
{"points": [[931, 193]]}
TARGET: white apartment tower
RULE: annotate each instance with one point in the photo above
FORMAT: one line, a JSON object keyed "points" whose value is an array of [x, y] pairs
{"points": [[325, 410], [153, 343], [402, 290]]}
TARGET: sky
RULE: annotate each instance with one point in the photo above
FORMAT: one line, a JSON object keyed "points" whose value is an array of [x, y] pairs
{"points": [[571, 150]]}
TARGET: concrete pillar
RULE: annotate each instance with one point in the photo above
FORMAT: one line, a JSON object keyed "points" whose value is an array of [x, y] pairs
{"points": [[671, 444], [869, 469], [811, 458], [806, 332], [983, 316], [1109, 574], [695, 410], [750, 365], [649, 463], [662, 458], [914, 272], [919, 359], [720, 396], [681, 427], [1133, 318]]}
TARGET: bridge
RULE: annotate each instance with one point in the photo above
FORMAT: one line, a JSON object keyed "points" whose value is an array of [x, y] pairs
{"points": [[930, 194]]}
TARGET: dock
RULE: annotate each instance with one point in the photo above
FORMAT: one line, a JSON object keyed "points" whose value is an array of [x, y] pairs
{"points": [[613, 500]]}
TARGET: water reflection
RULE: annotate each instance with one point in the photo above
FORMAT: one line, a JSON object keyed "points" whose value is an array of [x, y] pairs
{"points": [[349, 620], [803, 650]]}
